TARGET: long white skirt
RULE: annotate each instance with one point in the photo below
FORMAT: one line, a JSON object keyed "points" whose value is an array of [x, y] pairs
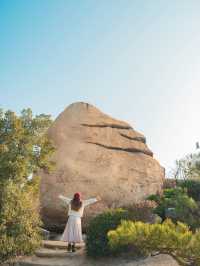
{"points": [[73, 230]]}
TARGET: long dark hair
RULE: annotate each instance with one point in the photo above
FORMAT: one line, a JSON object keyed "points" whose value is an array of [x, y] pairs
{"points": [[76, 202]]}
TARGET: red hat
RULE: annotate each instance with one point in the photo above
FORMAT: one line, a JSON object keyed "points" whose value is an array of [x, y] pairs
{"points": [[77, 196]]}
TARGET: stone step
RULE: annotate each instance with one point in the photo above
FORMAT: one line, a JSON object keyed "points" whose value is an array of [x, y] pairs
{"points": [[59, 244], [55, 253], [47, 257]]}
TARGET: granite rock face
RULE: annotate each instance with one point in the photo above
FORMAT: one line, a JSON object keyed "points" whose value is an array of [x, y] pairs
{"points": [[96, 155]]}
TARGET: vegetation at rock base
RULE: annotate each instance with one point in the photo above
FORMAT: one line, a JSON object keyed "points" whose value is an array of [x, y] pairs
{"points": [[140, 233], [142, 211], [192, 187], [24, 149], [97, 240], [174, 239], [176, 204], [180, 199]]}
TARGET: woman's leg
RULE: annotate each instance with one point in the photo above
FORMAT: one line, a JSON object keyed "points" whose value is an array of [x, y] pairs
{"points": [[69, 247], [73, 247]]}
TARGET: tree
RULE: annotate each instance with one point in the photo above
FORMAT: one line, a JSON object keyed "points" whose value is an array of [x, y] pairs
{"points": [[187, 167], [24, 149]]}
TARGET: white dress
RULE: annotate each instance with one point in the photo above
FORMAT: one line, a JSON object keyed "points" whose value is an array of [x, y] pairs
{"points": [[73, 228]]}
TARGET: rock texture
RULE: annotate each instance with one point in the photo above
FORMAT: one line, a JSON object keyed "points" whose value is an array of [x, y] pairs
{"points": [[96, 155]]}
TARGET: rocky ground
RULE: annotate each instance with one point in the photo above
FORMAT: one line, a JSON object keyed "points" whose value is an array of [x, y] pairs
{"points": [[53, 253]]}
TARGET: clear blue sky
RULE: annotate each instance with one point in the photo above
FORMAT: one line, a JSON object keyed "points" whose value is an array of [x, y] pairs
{"points": [[136, 60]]}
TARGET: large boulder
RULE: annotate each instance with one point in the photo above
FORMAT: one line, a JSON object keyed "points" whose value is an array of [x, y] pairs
{"points": [[96, 155]]}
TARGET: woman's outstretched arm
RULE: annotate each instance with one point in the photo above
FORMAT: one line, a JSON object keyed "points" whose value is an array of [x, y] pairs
{"points": [[65, 199], [91, 201]]}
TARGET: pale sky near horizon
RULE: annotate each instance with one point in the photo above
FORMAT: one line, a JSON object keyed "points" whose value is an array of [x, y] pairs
{"points": [[137, 60]]}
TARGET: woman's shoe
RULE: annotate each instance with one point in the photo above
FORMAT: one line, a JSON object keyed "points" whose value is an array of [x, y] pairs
{"points": [[69, 247], [73, 248]]}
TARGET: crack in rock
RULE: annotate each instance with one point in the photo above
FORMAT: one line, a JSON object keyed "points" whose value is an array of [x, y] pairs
{"points": [[131, 150], [107, 125], [140, 139]]}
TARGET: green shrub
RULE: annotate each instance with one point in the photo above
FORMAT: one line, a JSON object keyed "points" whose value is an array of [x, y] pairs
{"points": [[142, 211], [19, 221], [192, 187], [184, 208], [97, 241], [174, 239]]}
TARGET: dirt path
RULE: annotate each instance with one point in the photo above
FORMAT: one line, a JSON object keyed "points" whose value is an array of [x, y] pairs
{"points": [[82, 260], [54, 253]]}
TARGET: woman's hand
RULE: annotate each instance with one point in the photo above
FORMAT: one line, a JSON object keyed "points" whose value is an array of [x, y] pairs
{"points": [[98, 198]]}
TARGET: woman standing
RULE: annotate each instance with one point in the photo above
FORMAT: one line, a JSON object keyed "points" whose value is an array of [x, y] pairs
{"points": [[73, 230]]}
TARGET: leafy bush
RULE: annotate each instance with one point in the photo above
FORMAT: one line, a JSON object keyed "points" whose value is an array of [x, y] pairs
{"points": [[142, 211], [19, 221], [176, 203], [174, 239], [97, 241], [192, 187]]}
